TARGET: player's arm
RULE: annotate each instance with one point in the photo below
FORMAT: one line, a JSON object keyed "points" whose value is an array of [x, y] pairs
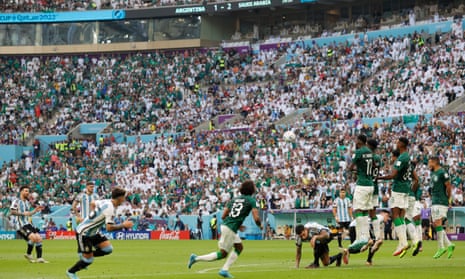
{"points": [[389, 176], [16, 212], [125, 225], [448, 186], [225, 213], [415, 181], [335, 214], [256, 218], [324, 234]]}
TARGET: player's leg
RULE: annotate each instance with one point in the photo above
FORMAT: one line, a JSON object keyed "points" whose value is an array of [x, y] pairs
{"points": [[86, 256], [234, 254], [225, 245], [102, 244], [419, 235], [362, 203], [26, 233], [37, 239], [340, 230], [437, 223], [399, 203]]}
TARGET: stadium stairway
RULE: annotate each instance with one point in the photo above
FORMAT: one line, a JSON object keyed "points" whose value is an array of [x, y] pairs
{"points": [[455, 106], [292, 117]]}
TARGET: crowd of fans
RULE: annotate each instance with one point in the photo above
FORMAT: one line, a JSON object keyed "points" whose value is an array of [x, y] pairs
{"points": [[162, 92]]}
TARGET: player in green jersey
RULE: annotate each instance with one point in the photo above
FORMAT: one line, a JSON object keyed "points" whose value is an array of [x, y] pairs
{"points": [[375, 223], [441, 199], [413, 213], [401, 174], [233, 217], [362, 163]]}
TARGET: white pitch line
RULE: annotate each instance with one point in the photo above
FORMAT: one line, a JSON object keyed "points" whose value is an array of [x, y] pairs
{"points": [[216, 268]]}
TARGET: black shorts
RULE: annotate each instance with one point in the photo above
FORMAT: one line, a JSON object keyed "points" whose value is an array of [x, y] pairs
{"points": [[26, 230], [86, 243], [321, 248], [343, 225], [425, 223]]}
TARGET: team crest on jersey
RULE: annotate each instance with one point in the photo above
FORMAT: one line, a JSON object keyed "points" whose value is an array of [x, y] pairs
{"points": [[435, 178]]}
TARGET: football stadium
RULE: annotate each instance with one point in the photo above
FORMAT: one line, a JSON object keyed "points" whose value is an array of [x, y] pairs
{"points": [[232, 139]]}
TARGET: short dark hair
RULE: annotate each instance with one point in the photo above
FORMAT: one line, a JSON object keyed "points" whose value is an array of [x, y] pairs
{"points": [[396, 153], [247, 188], [117, 192], [362, 138], [404, 140], [373, 143], [23, 187], [435, 158], [299, 229]]}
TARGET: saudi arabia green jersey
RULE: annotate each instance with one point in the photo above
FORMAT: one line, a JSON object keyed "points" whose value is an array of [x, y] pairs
{"points": [[239, 209], [403, 180], [363, 159], [438, 193]]}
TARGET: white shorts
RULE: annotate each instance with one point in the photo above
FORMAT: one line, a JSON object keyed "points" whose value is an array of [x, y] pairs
{"points": [[228, 239], [414, 208], [439, 212], [399, 200], [363, 196]]}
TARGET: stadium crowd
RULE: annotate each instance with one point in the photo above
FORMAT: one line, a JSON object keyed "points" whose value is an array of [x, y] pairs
{"points": [[139, 95]]}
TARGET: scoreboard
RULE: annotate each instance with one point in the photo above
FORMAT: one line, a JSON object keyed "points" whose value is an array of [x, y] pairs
{"points": [[210, 8]]}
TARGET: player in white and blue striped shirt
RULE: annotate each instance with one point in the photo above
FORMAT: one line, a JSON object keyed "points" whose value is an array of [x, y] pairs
{"points": [[20, 208], [84, 200], [91, 243], [342, 212]]}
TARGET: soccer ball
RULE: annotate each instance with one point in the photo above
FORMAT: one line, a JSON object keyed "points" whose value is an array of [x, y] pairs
{"points": [[289, 136]]}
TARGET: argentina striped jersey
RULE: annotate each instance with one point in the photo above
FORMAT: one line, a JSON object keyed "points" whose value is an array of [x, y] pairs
{"points": [[104, 214], [84, 201], [342, 209], [20, 206]]}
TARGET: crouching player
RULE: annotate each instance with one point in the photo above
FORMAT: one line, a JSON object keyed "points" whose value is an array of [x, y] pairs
{"points": [[319, 237]]}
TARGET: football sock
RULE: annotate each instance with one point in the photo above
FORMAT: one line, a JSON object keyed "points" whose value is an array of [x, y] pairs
{"points": [[334, 258], [339, 239], [39, 250], [370, 256], [412, 233], [376, 228], [209, 257], [445, 240], [316, 256], [401, 231], [440, 235], [79, 266], [419, 230], [230, 260], [30, 246], [361, 227]]}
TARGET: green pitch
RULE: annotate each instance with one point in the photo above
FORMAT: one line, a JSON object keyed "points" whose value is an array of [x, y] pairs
{"points": [[260, 259]]}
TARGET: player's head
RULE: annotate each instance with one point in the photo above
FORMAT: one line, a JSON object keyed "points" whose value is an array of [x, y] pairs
{"points": [[372, 144], [433, 163], [24, 192], [342, 193], [361, 140], [301, 231], [247, 188], [90, 187], [118, 195], [395, 154], [402, 143]]}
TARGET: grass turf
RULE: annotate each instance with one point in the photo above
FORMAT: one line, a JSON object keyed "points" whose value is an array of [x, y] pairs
{"points": [[260, 259]]}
